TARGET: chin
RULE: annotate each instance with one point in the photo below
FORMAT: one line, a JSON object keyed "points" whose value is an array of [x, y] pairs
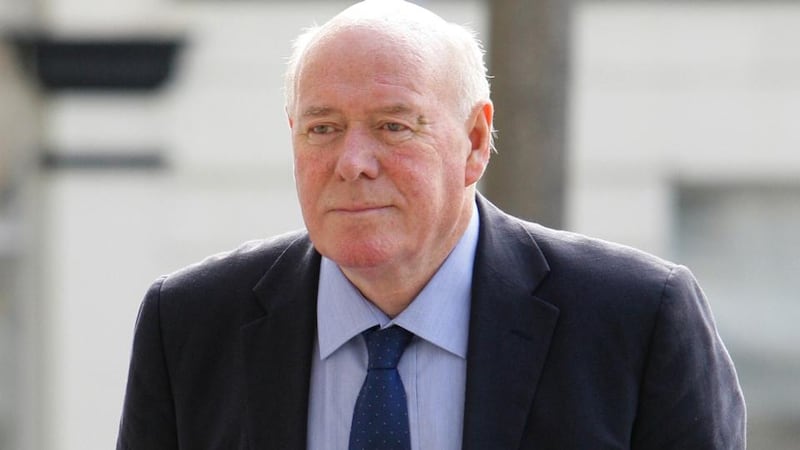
{"points": [[362, 245], [359, 255]]}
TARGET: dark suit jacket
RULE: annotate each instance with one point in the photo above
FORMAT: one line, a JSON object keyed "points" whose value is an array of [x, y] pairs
{"points": [[574, 343]]}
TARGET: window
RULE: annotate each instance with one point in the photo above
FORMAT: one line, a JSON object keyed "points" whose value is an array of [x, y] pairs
{"points": [[743, 244]]}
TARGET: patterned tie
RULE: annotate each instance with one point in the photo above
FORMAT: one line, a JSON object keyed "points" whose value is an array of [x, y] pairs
{"points": [[380, 418]]}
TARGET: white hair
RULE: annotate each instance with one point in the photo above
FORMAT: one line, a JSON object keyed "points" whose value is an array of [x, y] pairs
{"points": [[458, 49]]}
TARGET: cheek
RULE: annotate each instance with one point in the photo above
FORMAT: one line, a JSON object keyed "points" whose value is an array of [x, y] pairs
{"points": [[308, 181], [413, 175], [428, 186], [310, 167]]}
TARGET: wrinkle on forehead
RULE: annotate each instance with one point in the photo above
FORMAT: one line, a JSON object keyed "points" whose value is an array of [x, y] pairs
{"points": [[388, 57], [382, 42], [404, 30]]}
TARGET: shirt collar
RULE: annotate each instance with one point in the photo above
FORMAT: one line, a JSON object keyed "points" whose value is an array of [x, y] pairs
{"points": [[439, 314]]}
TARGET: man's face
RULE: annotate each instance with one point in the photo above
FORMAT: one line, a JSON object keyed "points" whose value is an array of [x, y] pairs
{"points": [[381, 154]]}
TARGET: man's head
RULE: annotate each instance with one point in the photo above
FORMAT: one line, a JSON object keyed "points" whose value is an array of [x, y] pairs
{"points": [[391, 127], [453, 47]]}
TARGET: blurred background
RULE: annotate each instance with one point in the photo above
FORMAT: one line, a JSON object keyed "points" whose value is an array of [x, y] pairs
{"points": [[138, 136]]}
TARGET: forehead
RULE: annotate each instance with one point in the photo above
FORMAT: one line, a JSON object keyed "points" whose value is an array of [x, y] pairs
{"points": [[363, 57]]}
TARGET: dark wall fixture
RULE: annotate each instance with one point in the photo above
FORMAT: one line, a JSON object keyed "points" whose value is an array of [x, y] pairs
{"points": [[137, 65], [144, 159], [95, 63]]}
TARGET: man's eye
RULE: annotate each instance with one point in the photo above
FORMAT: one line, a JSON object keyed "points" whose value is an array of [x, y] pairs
{"points": [[322, 129], [394, 126]]}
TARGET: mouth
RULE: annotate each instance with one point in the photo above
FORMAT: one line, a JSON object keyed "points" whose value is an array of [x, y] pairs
{"points": [[360, 209]]}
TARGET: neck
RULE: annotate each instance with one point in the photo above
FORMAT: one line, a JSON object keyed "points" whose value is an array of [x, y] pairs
{"points": [[393, 291]]}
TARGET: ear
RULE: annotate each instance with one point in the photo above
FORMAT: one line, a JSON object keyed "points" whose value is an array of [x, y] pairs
{"points": [[480, 134]]}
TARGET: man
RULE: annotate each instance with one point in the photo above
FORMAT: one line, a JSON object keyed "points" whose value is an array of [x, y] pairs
{"points": [[514, 336]]}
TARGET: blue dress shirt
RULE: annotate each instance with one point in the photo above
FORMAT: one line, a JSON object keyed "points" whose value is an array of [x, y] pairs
{"points": [[433, 367]]}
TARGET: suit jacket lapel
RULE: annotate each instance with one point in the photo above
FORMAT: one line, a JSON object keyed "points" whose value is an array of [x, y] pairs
{"points": [[510, 331], [277, 345]]}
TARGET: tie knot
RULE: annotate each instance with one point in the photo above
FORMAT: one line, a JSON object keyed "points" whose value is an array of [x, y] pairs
{"points": [[385, 347]]}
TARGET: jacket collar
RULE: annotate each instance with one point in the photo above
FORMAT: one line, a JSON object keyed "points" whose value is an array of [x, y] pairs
{"points": [[277, 345], [510, 331]]}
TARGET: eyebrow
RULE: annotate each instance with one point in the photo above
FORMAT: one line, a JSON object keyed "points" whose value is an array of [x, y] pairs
{"points": [[318, 111], [402, 108], [399, 108]]}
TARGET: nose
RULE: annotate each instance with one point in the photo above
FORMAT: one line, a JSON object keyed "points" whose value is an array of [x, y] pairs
{"points": [[357, 158]]}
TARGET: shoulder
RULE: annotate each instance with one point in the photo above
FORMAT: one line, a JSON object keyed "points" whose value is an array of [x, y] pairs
{"points": [[586, 278], [587, 272], [612, 289], [244, 265], [598, 260], [204, 304], [570, 257], [222, 285]]}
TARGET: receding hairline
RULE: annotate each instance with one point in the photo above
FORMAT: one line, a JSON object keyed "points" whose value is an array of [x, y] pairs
{"points": [[422, 34]]}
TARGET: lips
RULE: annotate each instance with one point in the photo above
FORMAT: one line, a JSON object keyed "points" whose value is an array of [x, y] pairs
{"points": [[359, 208]]}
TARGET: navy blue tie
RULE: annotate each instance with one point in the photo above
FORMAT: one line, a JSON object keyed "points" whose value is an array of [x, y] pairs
{"points": [[380, 418]]}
